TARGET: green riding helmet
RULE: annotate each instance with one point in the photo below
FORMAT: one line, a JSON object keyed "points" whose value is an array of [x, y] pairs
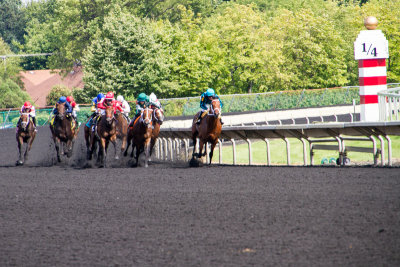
{"points": [[142, 97]]}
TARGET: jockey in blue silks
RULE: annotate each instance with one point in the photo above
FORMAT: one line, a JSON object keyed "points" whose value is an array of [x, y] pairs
{"points": [[205, 101], [63, 100]]}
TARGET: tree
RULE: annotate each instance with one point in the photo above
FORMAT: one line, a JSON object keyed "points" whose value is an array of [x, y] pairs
{"points": [[56, 92], [12, 23], [11, 94], [125, 58]]}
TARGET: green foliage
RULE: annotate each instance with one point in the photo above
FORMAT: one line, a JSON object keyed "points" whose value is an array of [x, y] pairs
{"points": [[125, 58], [11, 94], [12, 23], [55, 93], [10, 68]]}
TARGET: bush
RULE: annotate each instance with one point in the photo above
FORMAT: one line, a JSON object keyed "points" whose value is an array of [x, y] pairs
{"points": [[11, 94], [55, 93]]}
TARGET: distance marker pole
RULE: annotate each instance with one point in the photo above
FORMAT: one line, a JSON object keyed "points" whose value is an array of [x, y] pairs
{"points": [[371, 50]]}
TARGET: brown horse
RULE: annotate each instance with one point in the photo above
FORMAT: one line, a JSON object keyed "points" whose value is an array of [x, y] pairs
{"points": [[25, 134], [106, 132], [140, 135], [122, 130], [63, 132], [158, 119], [209, 129], [91, 146]]}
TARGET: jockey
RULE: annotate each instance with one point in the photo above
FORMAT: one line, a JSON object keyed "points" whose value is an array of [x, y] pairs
{"points": [[141, 103], [109, 101], [205, 101], [68, 108], [28, 108], [96, 100], [154, 102], [74, 107], [124, 105]]}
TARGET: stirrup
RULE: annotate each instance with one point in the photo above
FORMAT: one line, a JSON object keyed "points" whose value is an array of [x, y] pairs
{"points": [[198, 122]]}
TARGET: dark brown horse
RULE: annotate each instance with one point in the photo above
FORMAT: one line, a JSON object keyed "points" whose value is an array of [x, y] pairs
{"points": [[140, 135], [122, 130], [63, 132], [158, 119], [25, 134], [91, 145], [208, 131], [106, 132]]}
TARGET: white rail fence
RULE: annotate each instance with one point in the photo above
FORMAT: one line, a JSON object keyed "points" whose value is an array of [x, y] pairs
{"points": [[173, 143], [389, 104]]}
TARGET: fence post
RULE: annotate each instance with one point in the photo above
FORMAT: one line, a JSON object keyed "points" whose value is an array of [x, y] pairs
{"points": [[268, 152], [234, 151], [220, 151]]}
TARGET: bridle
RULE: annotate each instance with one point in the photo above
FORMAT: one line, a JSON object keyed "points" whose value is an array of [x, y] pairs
{"points": [[24, 124], [149, 117], [157, 111], [216, 112]]}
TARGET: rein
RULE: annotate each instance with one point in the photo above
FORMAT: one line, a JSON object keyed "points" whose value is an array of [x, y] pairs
{"points": [[212, 110], [155, 115], [24, 124]]}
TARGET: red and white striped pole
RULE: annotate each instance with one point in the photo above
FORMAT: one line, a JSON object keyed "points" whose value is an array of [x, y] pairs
{"points": [[371, 51]]}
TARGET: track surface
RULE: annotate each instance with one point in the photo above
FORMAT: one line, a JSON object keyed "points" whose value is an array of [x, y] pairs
{"points": [[172, 215]]}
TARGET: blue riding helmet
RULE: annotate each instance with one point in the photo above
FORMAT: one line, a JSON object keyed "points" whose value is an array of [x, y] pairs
{"points": [[62, 99], [100, 96], [210, 92]]}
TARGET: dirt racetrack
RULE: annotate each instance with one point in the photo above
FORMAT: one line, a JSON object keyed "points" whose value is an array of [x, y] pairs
{"points": [[172, 215]]}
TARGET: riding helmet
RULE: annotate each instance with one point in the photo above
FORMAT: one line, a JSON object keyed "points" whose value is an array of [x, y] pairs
{"points": [[120, 98], [62, 99], [210, 92], [110, 95], [70, 99], [100, 96], [142, 97], [27, 104]]}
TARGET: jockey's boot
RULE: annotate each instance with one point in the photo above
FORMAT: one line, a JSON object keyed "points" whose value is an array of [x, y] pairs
{"points": [[220, 119], [202, 115], [34, 123]]}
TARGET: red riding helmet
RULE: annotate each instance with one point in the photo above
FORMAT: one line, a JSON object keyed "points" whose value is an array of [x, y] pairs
{"points": [[27, 104], [110, 95], [70, 99], [73, 104]]}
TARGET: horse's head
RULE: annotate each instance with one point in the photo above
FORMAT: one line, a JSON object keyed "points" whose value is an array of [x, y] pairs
{"points": [[147, 117], [158, 115], [215, 108], [60, 110], [109, 115], [24, 120]]}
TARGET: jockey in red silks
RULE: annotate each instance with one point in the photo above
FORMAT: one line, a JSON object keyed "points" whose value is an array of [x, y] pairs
{"points": [[28, 108], [109, 101]]}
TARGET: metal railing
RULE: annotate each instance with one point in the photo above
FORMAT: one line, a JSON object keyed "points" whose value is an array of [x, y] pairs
{"points": [[389, 104]]}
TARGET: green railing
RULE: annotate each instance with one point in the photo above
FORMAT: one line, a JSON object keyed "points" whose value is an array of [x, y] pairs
{"points": [[232, 103]]}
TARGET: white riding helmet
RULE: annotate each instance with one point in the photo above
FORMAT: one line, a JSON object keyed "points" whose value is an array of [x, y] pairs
{"points": [[152, 98], [120, 98]]}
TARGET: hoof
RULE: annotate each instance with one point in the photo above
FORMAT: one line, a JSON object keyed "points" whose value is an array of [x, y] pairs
{"points": [[116, 158], [19, 163], [194, 163]]}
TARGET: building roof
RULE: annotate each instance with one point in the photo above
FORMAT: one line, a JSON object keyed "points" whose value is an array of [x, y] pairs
{"points": [[38, 83]]}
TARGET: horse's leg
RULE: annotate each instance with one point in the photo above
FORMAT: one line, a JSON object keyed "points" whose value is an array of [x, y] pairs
{"points": [[57, 145], [146, 154], [106, 143], [27, 148], [69, 145], [114, 142], [133, 148], [212, 150], [194, 146], [20, 143], [123, 145], [102, 151], [202, 143], [137, 155]]}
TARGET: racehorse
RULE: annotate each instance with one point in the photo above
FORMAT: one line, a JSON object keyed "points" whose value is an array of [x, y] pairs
{"points": [[208, 131], [140, 135], [106, 132], [25, 134], [91, 146], [158, 118], [63, 132], [122, 129]]}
